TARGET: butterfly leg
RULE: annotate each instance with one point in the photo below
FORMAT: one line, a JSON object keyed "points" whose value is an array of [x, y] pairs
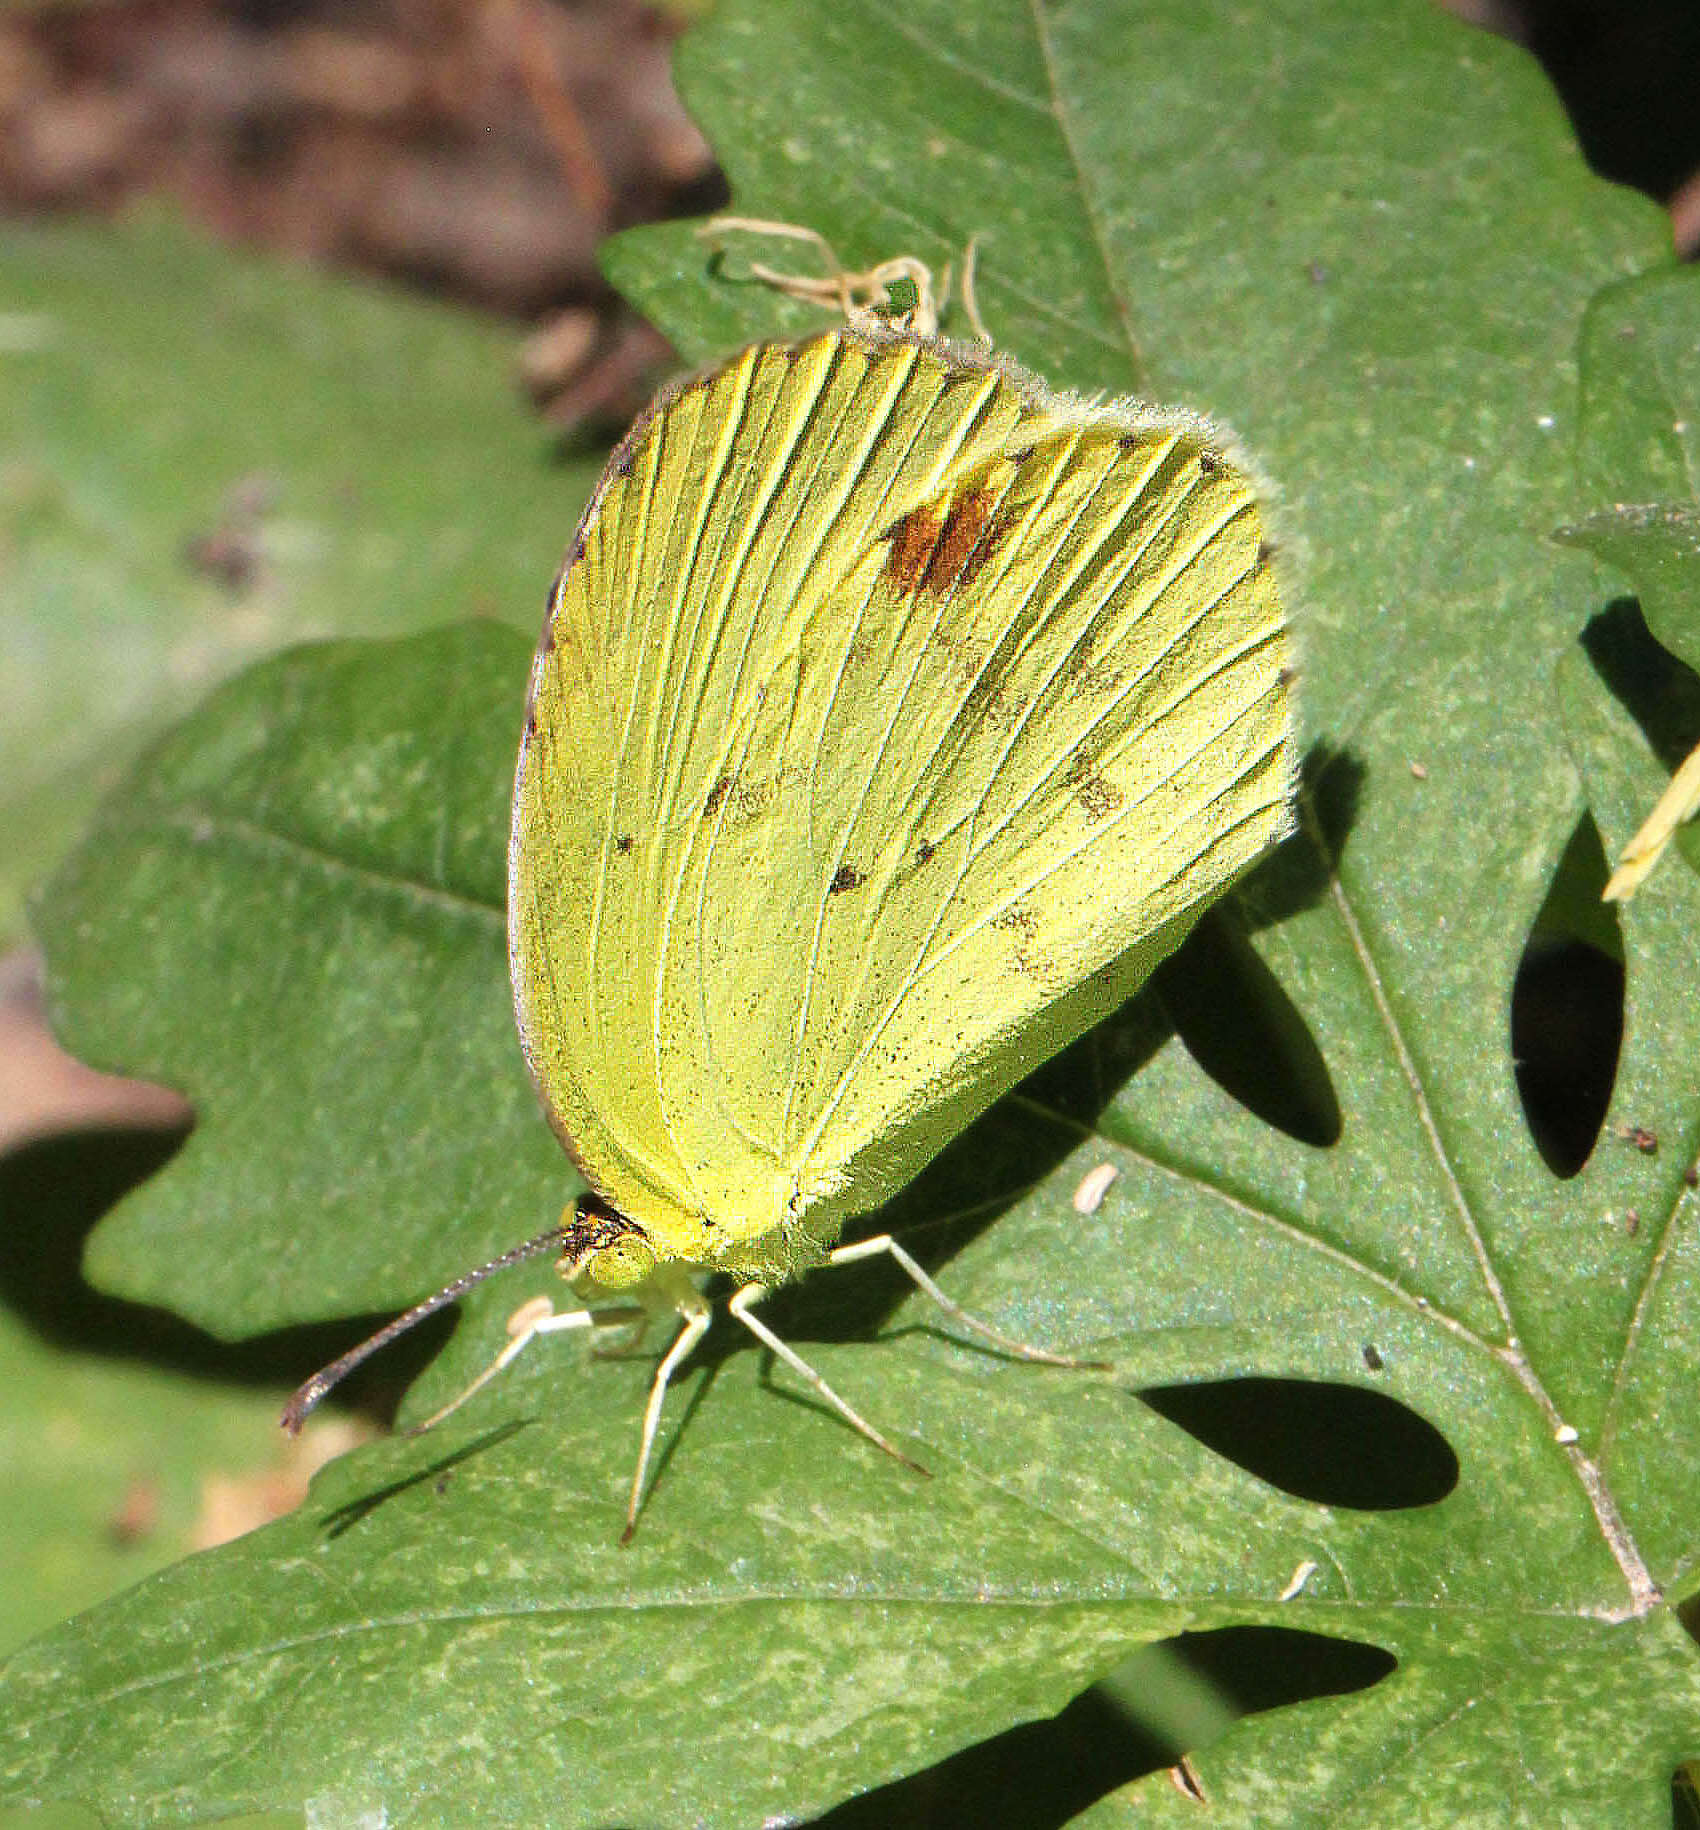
{"points": [[639, 1320], [696, 1314], [887, 1246], [740, 1307], [526, 1323]]}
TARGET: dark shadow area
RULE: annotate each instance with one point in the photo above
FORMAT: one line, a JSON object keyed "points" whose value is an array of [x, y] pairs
{"points": [[1566, 1030], [438, 1473], [1258, 1668], [1296, 875], [1040, 1775], [1685, 1781], [1245, 1032], [972, 1182], [1338, 1445], [1627, 76], [1685, 1797], [1661, 693], [1567, 998], [1688, 1617], [54, 1191]]}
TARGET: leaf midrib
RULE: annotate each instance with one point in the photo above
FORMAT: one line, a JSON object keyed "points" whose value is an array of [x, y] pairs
{"points": [[202, 824]]}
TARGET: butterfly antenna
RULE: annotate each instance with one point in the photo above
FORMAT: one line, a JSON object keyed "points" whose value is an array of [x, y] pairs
{"points": [[308, 1395]]}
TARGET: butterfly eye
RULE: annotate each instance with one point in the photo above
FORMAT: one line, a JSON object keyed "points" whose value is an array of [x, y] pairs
{"points": [[628, 1261]]}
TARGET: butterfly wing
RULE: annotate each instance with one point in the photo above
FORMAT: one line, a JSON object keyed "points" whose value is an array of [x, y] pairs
{"points": [[893, 718]]}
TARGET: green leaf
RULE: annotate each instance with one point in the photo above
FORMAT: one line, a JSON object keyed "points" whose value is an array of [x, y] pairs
{"points": [[1658, 545], [366, 458], [294, 912], [1638, 449], [1638, 428], [355, 460]]}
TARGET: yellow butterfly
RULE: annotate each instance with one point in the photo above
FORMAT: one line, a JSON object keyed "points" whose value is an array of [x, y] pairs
{"points": [[894, 716]]}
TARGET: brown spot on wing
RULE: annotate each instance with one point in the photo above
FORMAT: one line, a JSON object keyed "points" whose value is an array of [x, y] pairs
{"points": [[623, 844], [1098, 797], [750, 798], [912, 538], [1020, 921], [934, 555], [963, 546], [1211, 462], [716, 796], [1082, 674], [846, 877]]}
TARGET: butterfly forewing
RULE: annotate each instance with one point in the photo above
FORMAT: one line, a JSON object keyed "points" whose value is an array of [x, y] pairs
{"points": [[891, 721]]}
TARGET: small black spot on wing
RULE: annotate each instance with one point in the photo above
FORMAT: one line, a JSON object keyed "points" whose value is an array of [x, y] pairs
{"points": [[846, 877]]}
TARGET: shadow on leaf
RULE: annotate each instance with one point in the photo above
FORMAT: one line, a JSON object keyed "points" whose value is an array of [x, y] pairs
{"points": [[344, 1518], [1168, 1699], [1661, 693], [1567, 1008], [1336, 1444], [54, 1191]]}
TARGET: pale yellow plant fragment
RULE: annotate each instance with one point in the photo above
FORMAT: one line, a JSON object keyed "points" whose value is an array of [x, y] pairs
{"points": [[1678, 803]]}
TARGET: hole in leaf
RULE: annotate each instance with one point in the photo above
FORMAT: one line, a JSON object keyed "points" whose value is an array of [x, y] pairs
{"points": [[1166, 1700], [1246, 1033], [1567, 1008], [1338, 1445]]}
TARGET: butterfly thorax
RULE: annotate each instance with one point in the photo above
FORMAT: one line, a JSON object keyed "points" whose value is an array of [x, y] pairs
{"points": [[615, 1250]]}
